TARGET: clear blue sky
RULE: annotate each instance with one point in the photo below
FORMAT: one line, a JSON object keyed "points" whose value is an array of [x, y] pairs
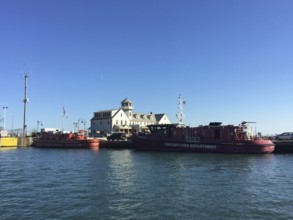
{"points": [[231, 60]]}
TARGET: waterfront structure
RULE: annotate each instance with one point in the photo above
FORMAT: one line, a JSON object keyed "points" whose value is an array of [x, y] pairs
{"points": [[124, 119], [8, 141]]}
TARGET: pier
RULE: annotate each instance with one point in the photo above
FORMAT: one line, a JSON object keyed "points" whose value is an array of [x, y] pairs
{"points": [[15, 141], [128, 144], [283, 146]]}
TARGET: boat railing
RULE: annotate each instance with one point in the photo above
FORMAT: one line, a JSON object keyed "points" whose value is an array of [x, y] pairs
{"points": [[193, 139]]}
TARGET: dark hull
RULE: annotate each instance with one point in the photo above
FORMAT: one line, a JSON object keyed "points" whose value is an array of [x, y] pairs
{"points": [[283, 146], [91, 143], [244, 147]]}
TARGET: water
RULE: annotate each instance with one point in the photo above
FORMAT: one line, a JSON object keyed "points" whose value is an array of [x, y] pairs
{"points": [[129, 184]]}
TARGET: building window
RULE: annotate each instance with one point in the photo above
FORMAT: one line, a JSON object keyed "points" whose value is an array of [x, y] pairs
{"points": [[116, 122]]}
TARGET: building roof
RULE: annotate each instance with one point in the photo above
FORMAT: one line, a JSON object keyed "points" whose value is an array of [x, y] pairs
{"points": [[159, 116], [143, 117], [125, 100], [123, 126], [107, 110]]}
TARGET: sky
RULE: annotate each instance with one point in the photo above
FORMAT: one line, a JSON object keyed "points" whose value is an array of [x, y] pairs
{"points": [[230, 60]]}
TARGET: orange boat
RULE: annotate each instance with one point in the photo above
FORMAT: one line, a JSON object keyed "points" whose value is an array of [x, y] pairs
{"points": [[50, 139]]}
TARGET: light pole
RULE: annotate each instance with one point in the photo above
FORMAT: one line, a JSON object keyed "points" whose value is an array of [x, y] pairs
{"points": [[84, 123], [79, 121], [4, 115], [74, 126]]}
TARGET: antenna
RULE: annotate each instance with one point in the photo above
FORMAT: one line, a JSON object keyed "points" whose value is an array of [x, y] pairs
{"points": [[180, 116], [64, 115]]}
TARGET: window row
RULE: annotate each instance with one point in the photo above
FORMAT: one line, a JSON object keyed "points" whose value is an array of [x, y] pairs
{"points": [[102, 114]]}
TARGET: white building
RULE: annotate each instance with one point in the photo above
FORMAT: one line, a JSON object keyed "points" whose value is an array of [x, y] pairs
{"points": [[124, 120]]}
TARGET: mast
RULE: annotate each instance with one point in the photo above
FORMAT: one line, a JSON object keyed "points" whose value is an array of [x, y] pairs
{"points": [[180, 116], [25, 100], [63, 115]]}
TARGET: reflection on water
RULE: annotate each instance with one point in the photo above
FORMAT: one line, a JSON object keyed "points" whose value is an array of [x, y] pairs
{"points": [[7, 148]]}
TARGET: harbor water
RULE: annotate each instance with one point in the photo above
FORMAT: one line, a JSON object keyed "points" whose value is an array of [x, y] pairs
{"points": [[131, 184]]}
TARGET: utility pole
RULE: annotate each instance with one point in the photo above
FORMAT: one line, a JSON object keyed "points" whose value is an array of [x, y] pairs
{"points": [[25, 101], [12, 125], [4, 116]]}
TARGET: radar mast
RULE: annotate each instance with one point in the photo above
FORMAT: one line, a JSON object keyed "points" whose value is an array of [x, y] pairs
{"points": [[180, 116]]}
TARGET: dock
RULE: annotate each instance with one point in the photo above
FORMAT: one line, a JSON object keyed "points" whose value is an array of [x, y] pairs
{"points": [[127, 144], [283, 146], [15, 141]]}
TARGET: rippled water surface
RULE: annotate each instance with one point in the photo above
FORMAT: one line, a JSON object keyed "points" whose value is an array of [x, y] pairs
{"points": [[129, 184]]}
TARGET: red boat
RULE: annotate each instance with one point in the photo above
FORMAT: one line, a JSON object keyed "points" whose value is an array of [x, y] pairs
{"points": [[65, 140], [213, 138]]}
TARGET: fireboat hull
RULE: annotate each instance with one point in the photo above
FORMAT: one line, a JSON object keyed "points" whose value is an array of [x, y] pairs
{"points": [[241, 147], [88, 143]]}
